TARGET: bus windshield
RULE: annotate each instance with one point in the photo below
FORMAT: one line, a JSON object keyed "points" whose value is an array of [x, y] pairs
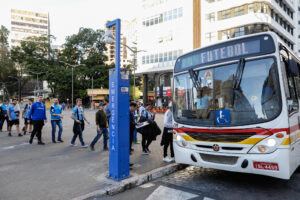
{"points": [[212, 97]]}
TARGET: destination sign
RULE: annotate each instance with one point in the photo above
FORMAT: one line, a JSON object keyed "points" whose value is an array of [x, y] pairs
{"points": [[226, 51]]}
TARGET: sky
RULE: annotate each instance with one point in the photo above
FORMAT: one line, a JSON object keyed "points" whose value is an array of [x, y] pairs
{"points": [[67, 16]]}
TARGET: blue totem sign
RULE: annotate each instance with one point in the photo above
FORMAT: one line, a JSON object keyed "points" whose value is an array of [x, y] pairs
{"points": [[119, 121]]}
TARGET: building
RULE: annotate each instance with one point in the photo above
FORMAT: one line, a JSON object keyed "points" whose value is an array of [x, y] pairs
{"points": [[28, 24], [224, 19], [166, 29], [169, 28]]}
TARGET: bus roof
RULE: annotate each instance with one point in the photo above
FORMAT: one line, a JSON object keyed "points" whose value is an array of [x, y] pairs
{"points": [[236, 48]]}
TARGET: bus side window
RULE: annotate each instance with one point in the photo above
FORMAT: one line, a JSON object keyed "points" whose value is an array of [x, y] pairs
{"points": [[290, 88], [297, 82]]}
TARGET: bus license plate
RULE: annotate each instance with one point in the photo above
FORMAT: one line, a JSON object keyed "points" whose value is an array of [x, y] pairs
{"points": [[266, 166]]}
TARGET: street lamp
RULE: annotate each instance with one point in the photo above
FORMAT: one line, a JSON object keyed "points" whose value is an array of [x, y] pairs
{"points": [[72, 66], [109, 38], [19, 87]]}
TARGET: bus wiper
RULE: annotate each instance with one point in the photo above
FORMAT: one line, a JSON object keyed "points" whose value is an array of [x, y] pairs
{"points": [[196, 81], [237, 78]]}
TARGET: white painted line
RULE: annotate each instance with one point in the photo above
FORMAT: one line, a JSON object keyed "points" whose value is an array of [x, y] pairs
{"points": [[147, 185], [207, 198], [9, 147], [163, 192], [13, 146]]}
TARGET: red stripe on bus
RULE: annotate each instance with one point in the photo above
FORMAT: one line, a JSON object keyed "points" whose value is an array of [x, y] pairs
{"points": [[258, 131]]}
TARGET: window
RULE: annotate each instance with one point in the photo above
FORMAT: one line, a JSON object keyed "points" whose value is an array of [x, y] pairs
{"points": [[174, 13], [160, 59], [165, 56], [239, 11], [151, 22], [210, 17], [165, 17], [143, 60], [170, 15], [180, 12], [156, 58], [156, 20], [152, 58], [239, 31], [170, 56], [225, 14], [147, 23], [160, 20], [175, 55], [210, 36], [147, 60]]}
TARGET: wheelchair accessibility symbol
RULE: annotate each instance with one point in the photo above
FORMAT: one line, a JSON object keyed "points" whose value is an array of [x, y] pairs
{"points": [[223, 117]]}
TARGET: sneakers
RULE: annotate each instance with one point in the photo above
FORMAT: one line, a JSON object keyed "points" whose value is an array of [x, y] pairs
{"points": [[30, 141], [53, 141], [105, 149], [60, 140], [145, 153], [84, 146], [167, 159], [148, 150], [172, 159], [9, 134], [92, 148], [41, 143], [73, 145], [24, 133], [20, 135]]}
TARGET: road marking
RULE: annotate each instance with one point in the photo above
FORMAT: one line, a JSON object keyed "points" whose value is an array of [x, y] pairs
{"points": [[207, 198], [167, 193], [147, 185], [13, 146]]}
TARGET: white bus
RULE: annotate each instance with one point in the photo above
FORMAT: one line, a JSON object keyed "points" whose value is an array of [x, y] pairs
{"points": [[236, 107]]}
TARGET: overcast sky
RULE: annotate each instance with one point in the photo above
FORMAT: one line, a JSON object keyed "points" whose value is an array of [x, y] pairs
{"points": [[67, 16]]}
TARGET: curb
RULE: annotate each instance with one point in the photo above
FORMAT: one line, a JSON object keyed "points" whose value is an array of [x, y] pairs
{"points": [[133, 181]]}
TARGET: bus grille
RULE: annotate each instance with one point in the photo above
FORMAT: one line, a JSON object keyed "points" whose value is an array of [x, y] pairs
{"points": [[227, 160], [219, 137]]}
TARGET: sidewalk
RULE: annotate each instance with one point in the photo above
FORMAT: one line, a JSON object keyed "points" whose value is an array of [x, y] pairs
{"points": [[58, 171]]}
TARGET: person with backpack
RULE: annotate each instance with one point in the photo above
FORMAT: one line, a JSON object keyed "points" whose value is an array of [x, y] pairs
{"points": [[78, 127], [4, 108], [56, 116], [102, 124], [37, 115], [25, 113], [13, 113]]}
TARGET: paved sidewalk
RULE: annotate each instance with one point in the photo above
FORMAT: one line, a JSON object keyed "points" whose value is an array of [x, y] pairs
{"points": [[59, 171]]}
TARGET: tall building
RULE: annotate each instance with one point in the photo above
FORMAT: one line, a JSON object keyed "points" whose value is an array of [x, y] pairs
{"points": [[27, 24], [224, 19], [166, 29]]}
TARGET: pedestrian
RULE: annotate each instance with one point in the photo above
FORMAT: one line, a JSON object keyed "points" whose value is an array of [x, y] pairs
{"points": [[107, 110], [141, 108], [37, 115], [150, 130], [56, 116], [167, 138], [25, 113], [102, 124], [132, 122], [2, 114], [4, 108], [78, 127], [135, 140], [63, 105], [13, 113]]}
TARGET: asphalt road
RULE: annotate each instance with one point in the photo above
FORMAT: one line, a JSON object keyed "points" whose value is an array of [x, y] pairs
{"points": [[206, 184]]}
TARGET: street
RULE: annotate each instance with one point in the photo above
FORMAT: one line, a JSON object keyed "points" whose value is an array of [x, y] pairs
{"points": [[200, 183]]}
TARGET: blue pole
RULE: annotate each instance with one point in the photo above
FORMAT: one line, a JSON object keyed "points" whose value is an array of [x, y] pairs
{"points": [[119, 105]]}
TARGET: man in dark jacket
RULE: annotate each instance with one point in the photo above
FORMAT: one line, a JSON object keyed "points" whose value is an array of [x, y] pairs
{"points": [[132, 108], [102, 124]]}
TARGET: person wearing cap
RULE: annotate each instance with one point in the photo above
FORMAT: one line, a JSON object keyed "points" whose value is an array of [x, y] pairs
{"points": [[167, 138], [4, 107], [102, 124]]}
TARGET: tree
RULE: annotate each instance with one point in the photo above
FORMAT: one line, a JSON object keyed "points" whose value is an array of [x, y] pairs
{"points": [[7, 69]]}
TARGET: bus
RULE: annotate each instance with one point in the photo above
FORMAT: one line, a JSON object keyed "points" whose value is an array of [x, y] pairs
{"points": [[236, 106]]}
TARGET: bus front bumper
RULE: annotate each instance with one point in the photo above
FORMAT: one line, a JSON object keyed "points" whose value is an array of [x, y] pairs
{"points": [[274, 164]]}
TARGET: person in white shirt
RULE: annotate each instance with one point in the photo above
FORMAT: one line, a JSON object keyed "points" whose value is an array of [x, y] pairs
{"points": [[167, 138]]}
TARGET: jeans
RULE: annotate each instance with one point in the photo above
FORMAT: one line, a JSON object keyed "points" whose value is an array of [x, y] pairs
{"points": [[99, 133], [37, 129], [59, 124], [135, 135], [2, 122], [77, 132]]}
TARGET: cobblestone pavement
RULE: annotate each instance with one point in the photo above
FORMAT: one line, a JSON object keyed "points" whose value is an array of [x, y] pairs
{"points": [[205, 184], [59, 171]]}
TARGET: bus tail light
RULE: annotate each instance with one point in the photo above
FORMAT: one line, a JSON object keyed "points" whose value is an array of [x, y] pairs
{"points": [[269, 144]]}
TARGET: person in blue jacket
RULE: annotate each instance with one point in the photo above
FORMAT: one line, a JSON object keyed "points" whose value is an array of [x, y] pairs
{"points": [[38, 116], [5, 117], [13, 112], [56, 116]]}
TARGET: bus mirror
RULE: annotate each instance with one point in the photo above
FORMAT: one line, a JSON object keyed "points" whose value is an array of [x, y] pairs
{"points": [[293, 68]]}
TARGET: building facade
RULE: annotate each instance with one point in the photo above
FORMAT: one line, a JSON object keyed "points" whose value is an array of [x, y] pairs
{"points": [[28, 24], [166, 30], [224, 19]]}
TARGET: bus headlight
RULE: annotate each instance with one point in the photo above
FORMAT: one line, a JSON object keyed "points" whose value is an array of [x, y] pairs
{"points": [[181, 141], [267, 145]]}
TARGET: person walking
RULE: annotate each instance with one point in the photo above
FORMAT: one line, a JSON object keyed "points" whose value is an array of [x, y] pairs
{"points": [[167, 138], [13, 112], [4, 108], [78, 127], [25, 113], [37, 115], [56, 116], [2, 114], [102, 124], [63, 105], [132, 122], [107, 110]]}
